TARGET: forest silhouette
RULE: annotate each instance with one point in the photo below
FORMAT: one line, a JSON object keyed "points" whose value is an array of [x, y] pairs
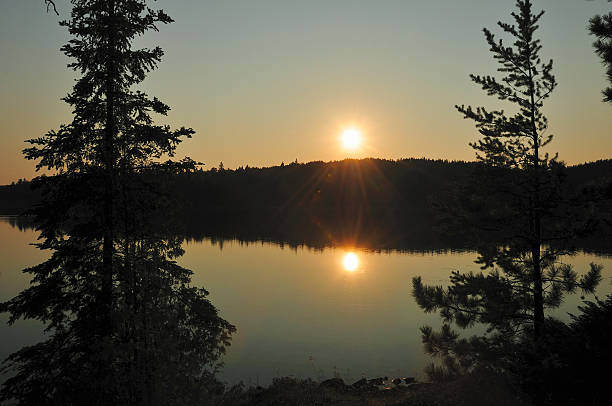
{"points": [[370, 203]]}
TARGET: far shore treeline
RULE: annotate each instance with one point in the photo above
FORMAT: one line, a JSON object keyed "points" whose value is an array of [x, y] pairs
{"points": [[371, 203]]}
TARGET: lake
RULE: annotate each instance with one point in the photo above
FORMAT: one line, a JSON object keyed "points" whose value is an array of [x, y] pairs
{"points": [[302, 312]]}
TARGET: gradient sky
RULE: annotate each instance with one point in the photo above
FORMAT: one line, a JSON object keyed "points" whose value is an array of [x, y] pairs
{"points": [[265, 81]]}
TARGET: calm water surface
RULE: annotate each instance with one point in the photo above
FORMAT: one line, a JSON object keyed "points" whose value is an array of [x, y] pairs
{"points": [[299, 312]]}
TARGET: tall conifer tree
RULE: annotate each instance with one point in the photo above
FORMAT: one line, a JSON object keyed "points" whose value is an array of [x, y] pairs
{"points": [[535, 223], [123, 324]]}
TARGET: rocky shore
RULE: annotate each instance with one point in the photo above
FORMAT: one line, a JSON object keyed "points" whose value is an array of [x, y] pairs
{"points": [[473, 390]]}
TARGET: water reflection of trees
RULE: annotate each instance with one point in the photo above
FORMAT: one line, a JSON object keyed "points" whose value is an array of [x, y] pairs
{"points": [[303, 234]]}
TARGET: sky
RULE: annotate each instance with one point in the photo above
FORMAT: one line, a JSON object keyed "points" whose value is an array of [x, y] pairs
{"points": [[264, 82]]}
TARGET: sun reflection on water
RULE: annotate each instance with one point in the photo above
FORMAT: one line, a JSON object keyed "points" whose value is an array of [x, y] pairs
{"points": [[350, 261]]}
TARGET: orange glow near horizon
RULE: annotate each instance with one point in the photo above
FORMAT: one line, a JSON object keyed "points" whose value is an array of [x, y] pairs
{"points": [[350, 262]]}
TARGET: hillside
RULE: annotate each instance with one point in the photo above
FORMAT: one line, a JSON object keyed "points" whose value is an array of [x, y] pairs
{"points": [[369, 202]]}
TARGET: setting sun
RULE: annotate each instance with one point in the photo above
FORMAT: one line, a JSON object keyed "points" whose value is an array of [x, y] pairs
{"points": [[351, 138], [350, 262]]}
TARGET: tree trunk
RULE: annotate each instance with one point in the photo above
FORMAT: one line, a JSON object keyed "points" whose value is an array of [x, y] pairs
{"points": [[109, 135], [536, 242]]}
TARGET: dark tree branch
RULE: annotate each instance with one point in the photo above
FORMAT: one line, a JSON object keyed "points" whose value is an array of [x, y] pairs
{"points": [[51, 4]]}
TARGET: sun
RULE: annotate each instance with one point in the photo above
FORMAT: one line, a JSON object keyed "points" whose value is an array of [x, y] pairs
{"points": [[351, 138], [350, 261]]}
